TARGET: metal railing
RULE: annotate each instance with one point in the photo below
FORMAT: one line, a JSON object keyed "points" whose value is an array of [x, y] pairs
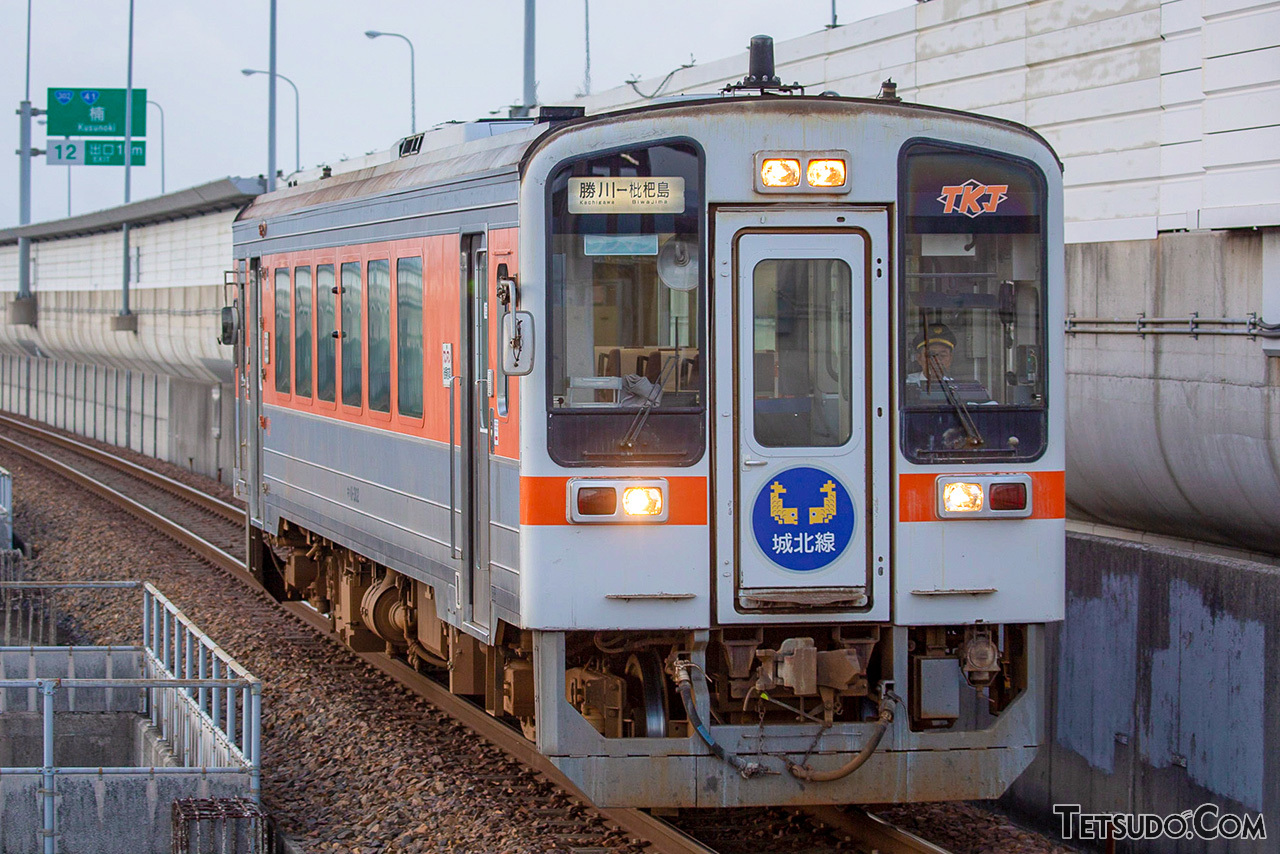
{"points": [[217, 692], [205, 705]]}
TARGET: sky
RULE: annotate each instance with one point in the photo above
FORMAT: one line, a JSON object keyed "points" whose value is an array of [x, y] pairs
{"points": [[354, 91]]}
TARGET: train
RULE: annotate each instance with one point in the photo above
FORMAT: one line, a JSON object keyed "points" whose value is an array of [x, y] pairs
{"points": [[717, 444]]}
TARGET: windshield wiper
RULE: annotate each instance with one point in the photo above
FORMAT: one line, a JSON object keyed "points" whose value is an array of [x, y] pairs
{"points": [[628, 440], [973, 439]]}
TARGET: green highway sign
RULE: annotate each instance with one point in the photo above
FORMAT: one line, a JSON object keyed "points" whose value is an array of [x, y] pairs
{"points": [[94, 112], [93, 152]]}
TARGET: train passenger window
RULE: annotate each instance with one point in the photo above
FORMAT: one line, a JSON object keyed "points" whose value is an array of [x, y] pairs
{"points": [[284, 341], [625, 270], [302, 330], [379, 283], [972, 324], [803, 353], [409, 336], [352, 330], [326, 326]]}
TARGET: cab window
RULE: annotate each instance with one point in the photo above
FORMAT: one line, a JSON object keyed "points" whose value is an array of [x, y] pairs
{"points": [[972, 329], [626, 353]]}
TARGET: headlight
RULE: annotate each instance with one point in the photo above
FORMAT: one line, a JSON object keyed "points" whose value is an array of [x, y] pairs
{"points": [[780, 172], [825, 173], [642, 501], [962, 497]]}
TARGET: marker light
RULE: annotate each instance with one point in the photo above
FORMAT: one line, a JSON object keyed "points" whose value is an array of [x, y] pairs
{"points": [[597, 501], [642, 501], [1008, 496], [825, 173], [780, 172], [962, 497]]}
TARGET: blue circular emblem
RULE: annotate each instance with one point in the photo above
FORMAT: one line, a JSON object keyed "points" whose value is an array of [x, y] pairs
{"points": [[803, 519]]}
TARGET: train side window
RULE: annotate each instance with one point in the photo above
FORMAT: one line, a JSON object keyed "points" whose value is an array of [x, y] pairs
{"points": [[409, 336], [352, 330], [284, 341], [379, 331], [302, 330], [326, 326]]}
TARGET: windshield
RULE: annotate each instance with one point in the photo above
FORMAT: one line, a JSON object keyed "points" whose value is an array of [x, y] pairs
{"points": [[971, 377], [626, 351]]}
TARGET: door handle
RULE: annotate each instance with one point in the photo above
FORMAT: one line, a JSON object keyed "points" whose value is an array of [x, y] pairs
{"points": [[753, 463]]}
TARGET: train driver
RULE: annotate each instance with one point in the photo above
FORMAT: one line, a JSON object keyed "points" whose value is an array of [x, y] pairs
{"points": [[934, 350], [933, 355]]}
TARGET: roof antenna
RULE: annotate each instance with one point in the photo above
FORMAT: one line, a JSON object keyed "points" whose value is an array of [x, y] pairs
{"points": [[760, 70]]}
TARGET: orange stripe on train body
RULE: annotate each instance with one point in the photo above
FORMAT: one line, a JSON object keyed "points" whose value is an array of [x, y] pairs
{"points": [[918, 496], [544, 500]]}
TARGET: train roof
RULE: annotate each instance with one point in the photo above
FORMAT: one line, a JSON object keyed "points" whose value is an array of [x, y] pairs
{"points": [[506, 147]]}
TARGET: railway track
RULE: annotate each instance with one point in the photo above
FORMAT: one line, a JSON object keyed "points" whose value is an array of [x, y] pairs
{"points": [[214, 530]]}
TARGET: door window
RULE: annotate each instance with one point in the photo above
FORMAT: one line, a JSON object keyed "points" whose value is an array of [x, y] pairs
{"points": [[802, 352]]}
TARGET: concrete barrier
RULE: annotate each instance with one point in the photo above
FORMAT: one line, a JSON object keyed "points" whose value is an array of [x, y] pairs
{"points": [[1164, 693]]}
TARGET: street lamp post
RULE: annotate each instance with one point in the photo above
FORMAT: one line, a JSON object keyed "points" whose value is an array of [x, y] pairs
{"points": [[161, 109], [297, 114], [25, 113], [413, 91]]}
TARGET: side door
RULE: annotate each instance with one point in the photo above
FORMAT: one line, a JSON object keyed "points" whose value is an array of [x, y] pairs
{"points": [[250, 402], [477, 430], [806, 482]]}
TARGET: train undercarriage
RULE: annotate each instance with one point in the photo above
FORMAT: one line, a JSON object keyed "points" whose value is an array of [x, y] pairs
{"points": [[785, 701]]}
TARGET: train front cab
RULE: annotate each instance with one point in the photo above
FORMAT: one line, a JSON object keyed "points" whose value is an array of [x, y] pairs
{"points": [[851, 520]]}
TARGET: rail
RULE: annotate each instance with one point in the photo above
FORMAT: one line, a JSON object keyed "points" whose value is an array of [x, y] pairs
{"points": [[1251, 326], [187, 493]]}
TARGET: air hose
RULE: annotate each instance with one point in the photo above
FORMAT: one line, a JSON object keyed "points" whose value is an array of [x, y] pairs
{"points": [[804, 772], [684, 685]]}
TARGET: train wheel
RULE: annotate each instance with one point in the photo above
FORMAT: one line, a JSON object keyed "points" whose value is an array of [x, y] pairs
{"points": [[647, 694]]}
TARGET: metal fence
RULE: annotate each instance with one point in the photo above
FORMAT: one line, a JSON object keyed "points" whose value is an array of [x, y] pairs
{"points": [[206, 707], [27, 615]]}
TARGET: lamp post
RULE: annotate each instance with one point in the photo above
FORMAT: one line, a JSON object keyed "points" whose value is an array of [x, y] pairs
{"points": [[25, 151], [413, 91], [161, 109], [297, 114]]}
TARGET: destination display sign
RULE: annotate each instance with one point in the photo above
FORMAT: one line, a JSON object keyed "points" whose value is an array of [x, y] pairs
{"points": [[626, 195], [93, 152], [94, 112]]}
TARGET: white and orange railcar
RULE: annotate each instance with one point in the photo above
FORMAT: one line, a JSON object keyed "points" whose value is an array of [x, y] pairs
{"points": [[718, 443]]}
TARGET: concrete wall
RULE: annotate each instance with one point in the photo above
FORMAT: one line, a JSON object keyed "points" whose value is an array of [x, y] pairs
{"points": [[98, 739], [1175, 433], [104, 814], [1164, 691], [190, 423], [97, 814]]}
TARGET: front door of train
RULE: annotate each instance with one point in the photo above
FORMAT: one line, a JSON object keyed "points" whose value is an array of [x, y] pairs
{"points": [[807, 285]]}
